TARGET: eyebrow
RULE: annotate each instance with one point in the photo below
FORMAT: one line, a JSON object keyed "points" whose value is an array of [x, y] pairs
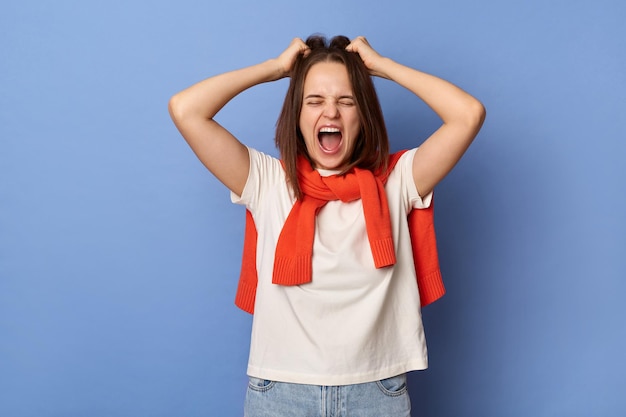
{"points": [[321, 96]]}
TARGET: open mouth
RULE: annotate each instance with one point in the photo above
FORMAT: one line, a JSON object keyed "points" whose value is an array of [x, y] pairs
{"points": [[329, 139]]}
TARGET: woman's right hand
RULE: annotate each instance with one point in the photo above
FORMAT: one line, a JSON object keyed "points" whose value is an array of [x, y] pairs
{"points": [[193, 111], [287, 58]]}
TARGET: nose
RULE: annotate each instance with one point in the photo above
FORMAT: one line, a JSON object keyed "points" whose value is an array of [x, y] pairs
{"points": [[331, 110]]}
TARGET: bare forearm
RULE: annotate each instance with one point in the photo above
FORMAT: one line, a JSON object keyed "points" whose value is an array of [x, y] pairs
{"points": [[206, 98], [452, 104]]}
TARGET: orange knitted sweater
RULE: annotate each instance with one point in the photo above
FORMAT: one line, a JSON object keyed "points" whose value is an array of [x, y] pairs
{"points": [[293, 256]]}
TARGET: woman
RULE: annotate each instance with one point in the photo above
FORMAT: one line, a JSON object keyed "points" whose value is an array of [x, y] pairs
{"points": [[328, 267]]}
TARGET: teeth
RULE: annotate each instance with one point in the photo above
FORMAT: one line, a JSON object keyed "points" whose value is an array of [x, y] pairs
{"points": [[329, 130]]}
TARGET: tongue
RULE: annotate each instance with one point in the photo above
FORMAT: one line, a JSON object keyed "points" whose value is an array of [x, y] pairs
{"points": [[330, 141]]}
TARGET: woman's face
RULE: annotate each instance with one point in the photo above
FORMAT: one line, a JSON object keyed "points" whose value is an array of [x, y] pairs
{"points": [[329, 119]]}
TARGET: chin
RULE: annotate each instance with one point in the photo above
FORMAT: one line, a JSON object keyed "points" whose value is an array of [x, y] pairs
{"points": [[331, 163]]}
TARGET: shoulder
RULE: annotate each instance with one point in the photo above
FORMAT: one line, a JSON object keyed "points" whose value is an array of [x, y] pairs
{"points": [[401, 162], [266, 176], [264, 165], [261, 158], [401, 179]]}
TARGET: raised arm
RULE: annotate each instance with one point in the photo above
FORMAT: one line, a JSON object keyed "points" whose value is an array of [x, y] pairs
{"points": [[193, 110], [462, 115]]}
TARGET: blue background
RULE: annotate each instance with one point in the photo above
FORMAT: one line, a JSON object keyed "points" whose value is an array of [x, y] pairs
{"points": [[119, 252]]}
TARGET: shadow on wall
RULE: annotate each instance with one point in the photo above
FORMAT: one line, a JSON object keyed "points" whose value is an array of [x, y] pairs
{"points": [[499, 216], [473, 227]]}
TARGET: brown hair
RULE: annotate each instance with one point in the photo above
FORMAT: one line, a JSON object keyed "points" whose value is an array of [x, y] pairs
{"points": [[371, 149]]}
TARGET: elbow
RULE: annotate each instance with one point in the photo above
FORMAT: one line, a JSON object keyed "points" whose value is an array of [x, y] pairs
{"points": [[482, 113], [469, 115], [175, 108], [183, 110], [477, 114]]}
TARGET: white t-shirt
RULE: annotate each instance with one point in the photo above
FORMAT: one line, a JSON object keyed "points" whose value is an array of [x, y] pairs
{"points": [[353, 323]]}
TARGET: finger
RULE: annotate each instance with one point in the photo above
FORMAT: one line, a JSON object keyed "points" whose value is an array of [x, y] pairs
{"points": [[358, 45], [297, 44], [359, 40], [303, 48], [352, 47]]}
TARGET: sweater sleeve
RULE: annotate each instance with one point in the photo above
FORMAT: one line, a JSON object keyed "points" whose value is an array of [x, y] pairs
{"points": [[425, 256]]}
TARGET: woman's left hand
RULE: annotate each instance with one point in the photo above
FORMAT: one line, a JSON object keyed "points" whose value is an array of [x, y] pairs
{"points": [[373, 60]]}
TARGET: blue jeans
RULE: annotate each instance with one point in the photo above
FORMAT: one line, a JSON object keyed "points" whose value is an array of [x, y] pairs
{"points": [[386, 398]]}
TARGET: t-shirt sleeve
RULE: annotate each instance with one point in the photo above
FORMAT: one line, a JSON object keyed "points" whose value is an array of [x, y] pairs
{"points": [[265, 172], [406, 165]]}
